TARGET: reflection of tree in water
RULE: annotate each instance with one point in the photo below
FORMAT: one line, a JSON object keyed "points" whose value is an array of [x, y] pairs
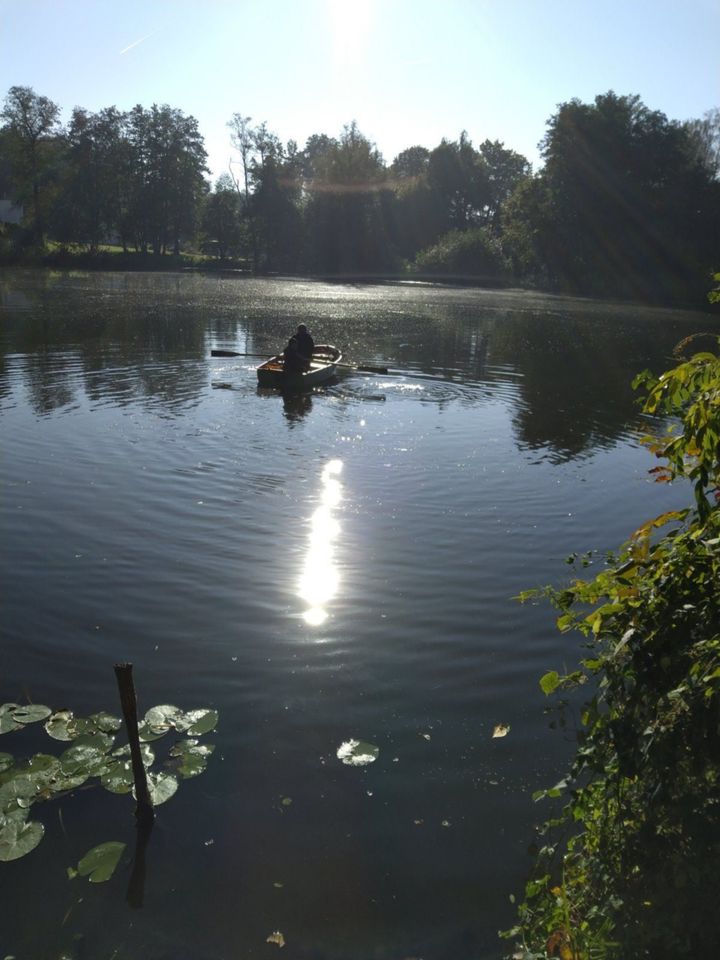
{"points": [[576, 376], [123, 337], [48, 386]]}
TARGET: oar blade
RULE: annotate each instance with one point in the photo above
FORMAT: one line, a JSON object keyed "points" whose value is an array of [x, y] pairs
{"points": [[363, 368], [224, 353]]}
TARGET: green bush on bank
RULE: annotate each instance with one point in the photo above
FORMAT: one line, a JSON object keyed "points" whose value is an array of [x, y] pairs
{"points": [[629, 866], [470, 253]]}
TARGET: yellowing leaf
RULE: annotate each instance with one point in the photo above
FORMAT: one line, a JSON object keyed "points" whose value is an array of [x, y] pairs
{"points": [[277, 938], [501, 730]]}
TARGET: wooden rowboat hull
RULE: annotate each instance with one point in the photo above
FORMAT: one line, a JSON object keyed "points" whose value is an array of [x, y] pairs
{"points": [[323, 367]]}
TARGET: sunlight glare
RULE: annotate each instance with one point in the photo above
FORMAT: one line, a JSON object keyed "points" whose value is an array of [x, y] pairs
{"points": [[350, 25], [320, 580]]}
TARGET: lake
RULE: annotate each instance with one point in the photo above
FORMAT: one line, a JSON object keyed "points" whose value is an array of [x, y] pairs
{"points": [[318, 568]]}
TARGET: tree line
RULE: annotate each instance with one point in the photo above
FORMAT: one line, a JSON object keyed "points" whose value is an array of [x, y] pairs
{"points": [[626, 203]]}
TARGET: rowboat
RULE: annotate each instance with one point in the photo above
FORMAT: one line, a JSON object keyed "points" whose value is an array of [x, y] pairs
{"points": [[323, 367]]}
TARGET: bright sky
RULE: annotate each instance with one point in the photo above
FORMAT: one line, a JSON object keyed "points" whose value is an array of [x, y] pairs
{"points": [[408, 71]]}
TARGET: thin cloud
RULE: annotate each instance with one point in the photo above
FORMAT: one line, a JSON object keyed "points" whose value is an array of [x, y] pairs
{"points": [[136, 42]]}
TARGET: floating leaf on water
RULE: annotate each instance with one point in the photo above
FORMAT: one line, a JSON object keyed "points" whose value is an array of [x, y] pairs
{"points": [[286, 801], [357, 753], [105, 722], [21, 790], [32, 713], [501, 730], [7, 718], [87, 756], [6, 761], [14, 813], [193, 756], [99, 864], [18, 839], [160, 719], [147, 735], [146, 752], [162, 786], [276, 937], [57, 725], [119, 777], [63, 783], [199, 722]]}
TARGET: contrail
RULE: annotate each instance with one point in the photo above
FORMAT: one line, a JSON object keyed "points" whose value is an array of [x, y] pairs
{"points": [[135, 43]]}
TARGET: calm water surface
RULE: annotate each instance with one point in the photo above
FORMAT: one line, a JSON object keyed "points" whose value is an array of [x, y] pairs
{"points": [[319, 568]]}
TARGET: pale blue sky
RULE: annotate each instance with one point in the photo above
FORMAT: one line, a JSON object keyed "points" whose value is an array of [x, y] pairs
{"points": [[409, 71]]}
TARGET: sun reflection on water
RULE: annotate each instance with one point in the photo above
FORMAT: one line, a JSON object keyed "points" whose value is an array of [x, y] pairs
{"points": [[319, 581]]}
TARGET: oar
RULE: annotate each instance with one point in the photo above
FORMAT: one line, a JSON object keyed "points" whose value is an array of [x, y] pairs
{"points": [[233, 353], [361, 368]]}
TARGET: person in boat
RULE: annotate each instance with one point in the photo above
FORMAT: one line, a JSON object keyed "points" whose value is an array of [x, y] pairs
{"points": [[305, 342], [293, 360]]}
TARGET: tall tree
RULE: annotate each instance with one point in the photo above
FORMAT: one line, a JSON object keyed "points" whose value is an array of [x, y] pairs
{"points": [[221, 217], [242, 137], [345, 222], [32, 121], [622, 206], [88, 207]]}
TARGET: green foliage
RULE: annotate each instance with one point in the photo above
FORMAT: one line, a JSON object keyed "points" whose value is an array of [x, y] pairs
{"points": [[24, 783], [473, 253], [629, 867]]}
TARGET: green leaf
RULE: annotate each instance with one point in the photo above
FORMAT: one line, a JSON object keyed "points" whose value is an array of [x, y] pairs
{"points": [[18, 839], [357, 753], [193, 757], [57, 725], [161, 786], [105, 722], [32, 713], [118, 778], [550, 682], [160, 719], [87, 756], [6, 761], [7, 718], [201, 721], [100, 863], [22, 789]]}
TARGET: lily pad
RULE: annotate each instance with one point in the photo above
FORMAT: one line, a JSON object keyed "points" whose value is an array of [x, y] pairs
{"points": [[162, 786], [32, 713], [119, 777], [160, 719], [57, 725], [198, 722], [21, 790], [105, 722], [6, 761], [193, 757], [87, 756], [18, 838], [99, 864], [147, 735], [146, 752], [7, 717], [357, 753]]}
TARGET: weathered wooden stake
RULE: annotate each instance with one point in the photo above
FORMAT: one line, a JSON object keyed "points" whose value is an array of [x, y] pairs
{"points": [[144, 809]]}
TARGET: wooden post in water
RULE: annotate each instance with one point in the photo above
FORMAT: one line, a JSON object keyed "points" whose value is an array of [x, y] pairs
{"points": [[144, 809]]}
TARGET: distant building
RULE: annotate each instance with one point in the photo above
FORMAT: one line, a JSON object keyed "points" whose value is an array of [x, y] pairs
{"points": [[10, 212]]}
